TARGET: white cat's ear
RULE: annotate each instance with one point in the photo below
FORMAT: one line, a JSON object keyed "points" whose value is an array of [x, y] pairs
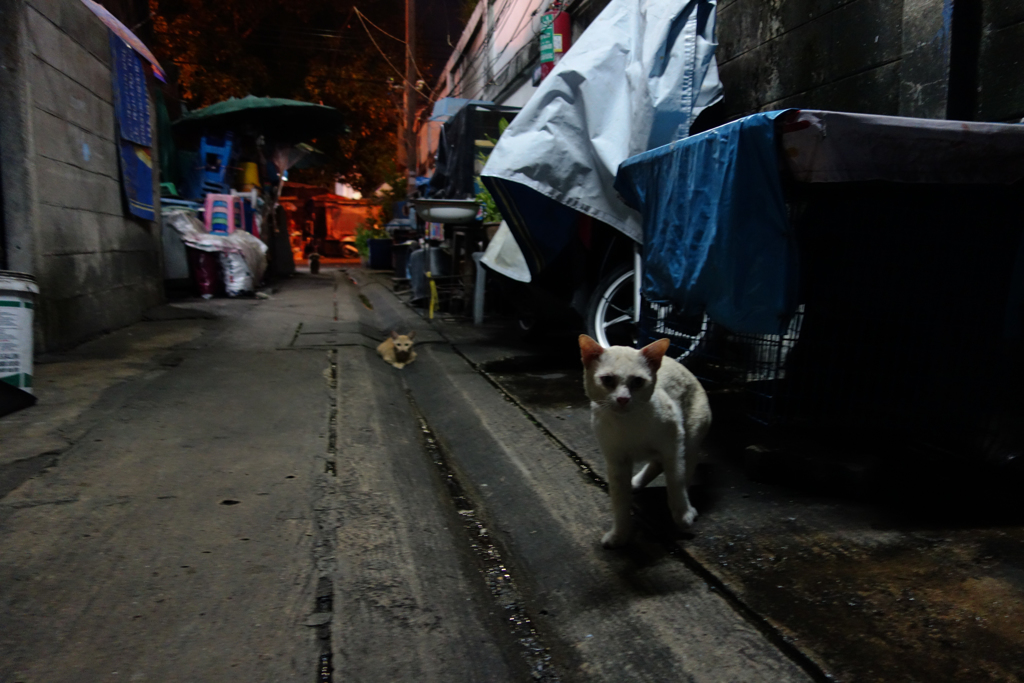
{"points": [[412, 334], [590, 350], [654, 352], [394, 334]]}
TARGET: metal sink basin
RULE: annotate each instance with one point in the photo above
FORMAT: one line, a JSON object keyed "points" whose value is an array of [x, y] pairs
{"points": [[452, 211]]}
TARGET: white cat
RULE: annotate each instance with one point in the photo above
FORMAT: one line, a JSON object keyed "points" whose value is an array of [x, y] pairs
{"points": [[645, 408]]}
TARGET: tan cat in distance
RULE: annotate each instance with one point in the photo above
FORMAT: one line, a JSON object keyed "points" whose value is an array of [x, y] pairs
{"points": [[397, 349], [645, 409]]}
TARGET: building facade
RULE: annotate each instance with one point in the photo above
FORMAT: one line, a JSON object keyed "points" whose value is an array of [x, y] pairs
{"points": [[955, 59], [940, 59]]}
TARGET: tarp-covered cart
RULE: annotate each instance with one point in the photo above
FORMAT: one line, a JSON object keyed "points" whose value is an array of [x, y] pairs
{"points": [[861, 273], [637, 78]]}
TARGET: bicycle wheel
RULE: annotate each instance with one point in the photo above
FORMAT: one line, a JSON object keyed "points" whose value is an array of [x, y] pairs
{"points": [[610, 312], [610, 317], [686, 332]]}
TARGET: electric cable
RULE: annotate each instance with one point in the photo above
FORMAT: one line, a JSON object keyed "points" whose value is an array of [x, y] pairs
{"points": [[365, 20]]}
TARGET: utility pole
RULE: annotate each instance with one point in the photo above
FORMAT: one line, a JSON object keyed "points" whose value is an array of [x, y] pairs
{"points": [[410, 95]]}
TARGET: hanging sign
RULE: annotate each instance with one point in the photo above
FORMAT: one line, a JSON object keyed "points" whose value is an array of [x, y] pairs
{"points": [[555, 37], [547, 38]]}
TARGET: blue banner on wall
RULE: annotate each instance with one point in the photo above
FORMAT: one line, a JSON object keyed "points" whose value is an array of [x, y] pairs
{"points": [[137, 178], [134, 132], [131, 97]]}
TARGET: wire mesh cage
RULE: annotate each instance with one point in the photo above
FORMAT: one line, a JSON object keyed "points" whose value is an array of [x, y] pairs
{"points": [[755, 365], [909, 298], [686, 332]]}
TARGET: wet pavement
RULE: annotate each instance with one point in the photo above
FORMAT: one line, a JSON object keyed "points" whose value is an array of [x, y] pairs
{"points": [[870, 572], [254, 463]]}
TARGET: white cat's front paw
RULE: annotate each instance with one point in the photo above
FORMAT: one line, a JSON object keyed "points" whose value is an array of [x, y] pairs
{"points": [[616, 538], [686, 520]]}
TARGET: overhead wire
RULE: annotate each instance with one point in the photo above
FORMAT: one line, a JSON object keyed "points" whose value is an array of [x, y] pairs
{"points": [[359, 15], [470, 64], [326, 33], [520, 27], [365, 20], [499, 15], [467, 73], [294, 63], [470, 67], [501, 21]]}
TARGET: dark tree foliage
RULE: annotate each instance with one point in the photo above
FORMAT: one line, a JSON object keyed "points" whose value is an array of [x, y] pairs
{"points": [[312, 50]]}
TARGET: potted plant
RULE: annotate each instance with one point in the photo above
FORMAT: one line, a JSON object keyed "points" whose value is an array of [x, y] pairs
{"points": [[374, 245], [491, 215]]}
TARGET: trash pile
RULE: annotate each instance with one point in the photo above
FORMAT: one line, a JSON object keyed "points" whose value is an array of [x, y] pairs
{"points": [[241, 257], [223, 170]]}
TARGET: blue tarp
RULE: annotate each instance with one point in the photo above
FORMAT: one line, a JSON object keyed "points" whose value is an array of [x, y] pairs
{"points": [[716, 233]]}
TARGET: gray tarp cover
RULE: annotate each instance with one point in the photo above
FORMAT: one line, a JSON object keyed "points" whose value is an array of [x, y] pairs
{"points": [[836, 147], [716, 226], [636, 79]]}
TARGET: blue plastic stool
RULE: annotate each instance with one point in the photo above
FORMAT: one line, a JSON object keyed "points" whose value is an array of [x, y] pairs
{"points": [[214, 159]]}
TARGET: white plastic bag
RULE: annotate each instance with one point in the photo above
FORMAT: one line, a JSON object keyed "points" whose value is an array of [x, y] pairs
{"points": [[504, 256], [237, 278]]}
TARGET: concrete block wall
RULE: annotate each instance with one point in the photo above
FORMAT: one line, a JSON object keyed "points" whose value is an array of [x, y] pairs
{"points": [[821, 54], [1001, 61], [98, 268], [922, 58]]}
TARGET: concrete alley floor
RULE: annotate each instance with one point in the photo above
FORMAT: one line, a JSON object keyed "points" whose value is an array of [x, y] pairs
{"points": [[243, 490]]}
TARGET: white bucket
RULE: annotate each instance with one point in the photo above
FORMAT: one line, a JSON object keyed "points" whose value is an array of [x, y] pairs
{"points": [[17, 304]]}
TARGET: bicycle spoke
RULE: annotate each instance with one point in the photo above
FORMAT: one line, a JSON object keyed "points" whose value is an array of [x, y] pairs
{"points": [[620, 309], [616, 321]]}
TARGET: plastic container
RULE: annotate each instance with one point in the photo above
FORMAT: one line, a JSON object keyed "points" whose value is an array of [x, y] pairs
{"points": [[400, 258], [17, 305], [248, 175], [205, 267], [380, 254]]}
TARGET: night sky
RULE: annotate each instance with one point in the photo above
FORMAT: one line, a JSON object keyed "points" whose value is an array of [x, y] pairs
{"points": [[438, 21]]}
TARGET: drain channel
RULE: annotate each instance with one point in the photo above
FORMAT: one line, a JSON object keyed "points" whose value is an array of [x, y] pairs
{"points": [[588, 472], [324, 607], [500, 584], [324, 525], [330, 466]]}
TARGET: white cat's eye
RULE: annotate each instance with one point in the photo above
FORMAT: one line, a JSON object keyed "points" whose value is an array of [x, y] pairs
{"points": [[635, 383], [608, 381]]}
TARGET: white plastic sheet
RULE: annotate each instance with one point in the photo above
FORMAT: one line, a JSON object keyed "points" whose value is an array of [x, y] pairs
{"points": [[504, 256], [636, 79]]}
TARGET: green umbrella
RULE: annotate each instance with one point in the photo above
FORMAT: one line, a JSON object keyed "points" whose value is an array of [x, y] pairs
{"points": [[279, 119]]}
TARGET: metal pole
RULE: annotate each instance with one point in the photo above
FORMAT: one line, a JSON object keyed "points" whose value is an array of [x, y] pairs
{"points": [[638, 274], [479, 292], [410, 95]]}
